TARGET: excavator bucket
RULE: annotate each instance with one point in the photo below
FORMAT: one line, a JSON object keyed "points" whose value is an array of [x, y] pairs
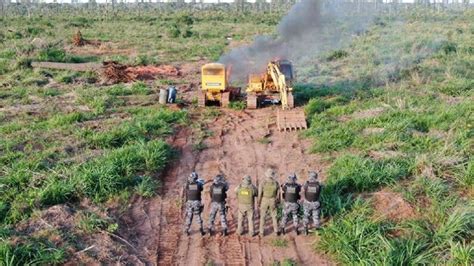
{"points": [[291, 120]]}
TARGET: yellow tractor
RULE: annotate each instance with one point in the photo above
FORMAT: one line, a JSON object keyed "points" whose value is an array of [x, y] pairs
{"points": [[275, 86], [214, 86]]}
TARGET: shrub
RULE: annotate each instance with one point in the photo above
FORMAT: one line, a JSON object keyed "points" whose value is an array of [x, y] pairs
{"points": [[238, 105], [146, 187], [52, 54], [338, 54]]}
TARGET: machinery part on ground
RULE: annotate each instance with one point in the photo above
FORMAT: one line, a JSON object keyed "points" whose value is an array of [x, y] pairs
{"points": [[214, 86], [291, 120]]}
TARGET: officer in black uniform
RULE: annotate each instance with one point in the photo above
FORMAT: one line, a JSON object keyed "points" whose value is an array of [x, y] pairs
{"points": [[194, 207], [218, 192], [311, 204], [291, 196]]}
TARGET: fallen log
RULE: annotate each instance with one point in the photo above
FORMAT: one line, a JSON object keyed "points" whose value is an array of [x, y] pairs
{"points": [[114, 72], [82, 67]]}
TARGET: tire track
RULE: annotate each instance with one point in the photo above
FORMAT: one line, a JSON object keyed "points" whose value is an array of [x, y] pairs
{"points": [[235, 149]]}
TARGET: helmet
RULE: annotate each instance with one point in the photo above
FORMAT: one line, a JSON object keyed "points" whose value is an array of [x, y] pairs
{"points": [[193, 177], [292, 178], [270, 173], [247, 180], [219, 178], [313, 175]]}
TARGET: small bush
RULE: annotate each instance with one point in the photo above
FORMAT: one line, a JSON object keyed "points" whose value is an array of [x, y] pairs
{"points": [[52, 54], [147, 187], [238, 105], [91, 222], [338, 54]]}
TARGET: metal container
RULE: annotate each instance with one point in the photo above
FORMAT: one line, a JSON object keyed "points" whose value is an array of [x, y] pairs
{"points": [[172, 94], [163, 96]]}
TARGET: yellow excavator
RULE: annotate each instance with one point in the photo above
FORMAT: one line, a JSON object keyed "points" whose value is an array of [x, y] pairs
{"points": [[275, 86], [214, 86]]}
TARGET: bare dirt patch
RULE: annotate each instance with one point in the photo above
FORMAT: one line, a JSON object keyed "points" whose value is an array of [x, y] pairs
{"points": [[392, 206], [155, 226], [369, 113]]}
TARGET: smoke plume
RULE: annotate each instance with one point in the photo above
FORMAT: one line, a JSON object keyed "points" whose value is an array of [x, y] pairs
{"points": [[307, 29]]}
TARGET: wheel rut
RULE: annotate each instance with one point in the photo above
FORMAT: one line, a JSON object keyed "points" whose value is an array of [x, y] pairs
{"points": [[243, 142]]}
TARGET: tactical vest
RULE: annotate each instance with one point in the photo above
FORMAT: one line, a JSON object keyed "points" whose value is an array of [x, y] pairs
{"points": [[218, 193], [292, 193], [245, 195], [312, 191], [193, 191], [270, 189]]}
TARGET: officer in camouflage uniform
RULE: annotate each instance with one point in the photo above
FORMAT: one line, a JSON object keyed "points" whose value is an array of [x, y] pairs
{"points": [[246, 193], [291, 195], [193, 190], [268, 195], [311, 205], [218, 192]]}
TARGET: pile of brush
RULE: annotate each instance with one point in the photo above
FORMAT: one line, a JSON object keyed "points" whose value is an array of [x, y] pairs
{"points": [[78, 40], [114, 72]]}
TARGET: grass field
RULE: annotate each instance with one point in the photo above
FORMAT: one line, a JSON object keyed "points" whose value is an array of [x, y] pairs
{"points": [[391, 112]]}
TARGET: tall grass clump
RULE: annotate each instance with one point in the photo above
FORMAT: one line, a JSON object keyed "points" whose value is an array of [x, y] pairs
{"points": [[108, 175], [143, 127]]}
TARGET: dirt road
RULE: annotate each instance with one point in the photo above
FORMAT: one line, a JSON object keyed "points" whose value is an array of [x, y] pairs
{"points": [[243, 142]]}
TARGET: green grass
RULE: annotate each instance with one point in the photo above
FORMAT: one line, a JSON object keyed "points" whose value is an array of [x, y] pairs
{"points": [[392, 111]]}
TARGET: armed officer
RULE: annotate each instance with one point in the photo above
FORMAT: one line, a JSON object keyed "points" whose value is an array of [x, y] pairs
{"points": [[291, 196], [193, 188], [218, 192], [311, 204]]}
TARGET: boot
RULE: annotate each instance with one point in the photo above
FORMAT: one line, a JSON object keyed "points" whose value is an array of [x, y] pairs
{"points": [[202, 232], [224, 232], [317, 226], [297, 231], [305, 230], [186, 232], [210, 232], [283, 232]]}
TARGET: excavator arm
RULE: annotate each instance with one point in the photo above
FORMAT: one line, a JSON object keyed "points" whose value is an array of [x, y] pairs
{"points": [[279, 82]]}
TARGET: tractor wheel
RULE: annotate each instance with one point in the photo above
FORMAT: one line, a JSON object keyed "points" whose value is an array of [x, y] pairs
{"points": [[201, 99], [252, 101], [291, 100], [225, 99]]}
